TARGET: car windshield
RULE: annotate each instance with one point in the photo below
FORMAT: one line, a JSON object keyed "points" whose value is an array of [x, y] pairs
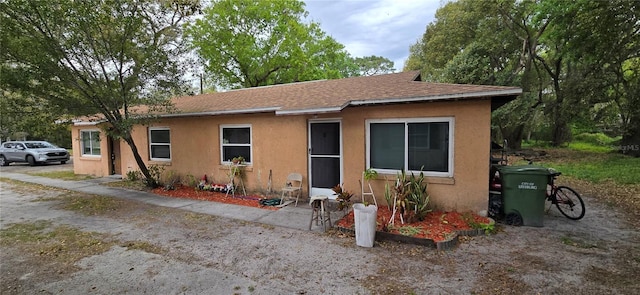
{"points": [[39, 145]]}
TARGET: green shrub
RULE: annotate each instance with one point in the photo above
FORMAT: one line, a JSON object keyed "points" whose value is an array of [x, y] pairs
{"points": [[133, 175], [599, 139]]}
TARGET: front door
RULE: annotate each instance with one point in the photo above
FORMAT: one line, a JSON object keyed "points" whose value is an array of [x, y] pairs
{"points": [[114, 154], [325, 161]]}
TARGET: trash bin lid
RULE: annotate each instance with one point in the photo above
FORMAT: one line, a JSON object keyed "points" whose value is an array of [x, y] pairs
{"points": [[524, 169]]}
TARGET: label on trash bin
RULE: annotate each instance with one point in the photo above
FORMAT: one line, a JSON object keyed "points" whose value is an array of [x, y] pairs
{"points": [[527, 185]]}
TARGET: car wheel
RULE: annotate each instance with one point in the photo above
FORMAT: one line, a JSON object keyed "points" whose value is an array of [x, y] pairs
{"points": [[63, 162], [31, 160], [3, 161]]}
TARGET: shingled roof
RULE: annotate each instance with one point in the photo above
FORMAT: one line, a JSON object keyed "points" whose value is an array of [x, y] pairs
{"points": [[334, 95]]}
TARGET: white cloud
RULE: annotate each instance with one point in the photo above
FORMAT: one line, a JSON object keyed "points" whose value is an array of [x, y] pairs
{"points": [[374, 27]]}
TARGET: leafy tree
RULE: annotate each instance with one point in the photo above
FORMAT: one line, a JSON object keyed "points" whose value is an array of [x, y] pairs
{"points": [[96, 57], [453, 29], [247, 43], [608, 43], [479, 49], [573, 59], [31, 118], [374, 65]]}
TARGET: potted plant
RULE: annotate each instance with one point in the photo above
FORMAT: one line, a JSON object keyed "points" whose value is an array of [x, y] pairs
{"points": [[237, 160], [368, 175], [343, 197]]}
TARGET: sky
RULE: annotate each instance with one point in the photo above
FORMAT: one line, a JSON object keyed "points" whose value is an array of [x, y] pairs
{"points": [[374, 27]]}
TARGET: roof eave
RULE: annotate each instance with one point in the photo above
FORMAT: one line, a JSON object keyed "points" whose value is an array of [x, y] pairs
{"points": [[310, 111], [225, 112], [88, 123], [506, 92]]}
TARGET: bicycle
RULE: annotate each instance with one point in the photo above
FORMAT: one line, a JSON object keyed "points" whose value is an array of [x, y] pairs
{"points": [[567, 200]]}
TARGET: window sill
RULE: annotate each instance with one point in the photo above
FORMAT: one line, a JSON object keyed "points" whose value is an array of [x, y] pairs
{"points": [[243, 167], [441, 180], [90, 158], [160, 162], [430, 179]]}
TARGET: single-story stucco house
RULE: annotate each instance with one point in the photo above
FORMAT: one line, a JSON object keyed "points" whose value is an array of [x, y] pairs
{"points": [[330, 131]]}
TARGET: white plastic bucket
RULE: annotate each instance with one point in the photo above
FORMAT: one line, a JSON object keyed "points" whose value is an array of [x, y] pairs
{"points": [[365, 222]]}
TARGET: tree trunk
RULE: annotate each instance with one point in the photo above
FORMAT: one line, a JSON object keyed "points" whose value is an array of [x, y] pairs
{"points": [[561, 132], [513, 135], [560, 115], [150, 181], [630, 143]]}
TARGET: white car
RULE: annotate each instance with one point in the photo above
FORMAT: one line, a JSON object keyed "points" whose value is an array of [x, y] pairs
{"points": [[32, 152]]}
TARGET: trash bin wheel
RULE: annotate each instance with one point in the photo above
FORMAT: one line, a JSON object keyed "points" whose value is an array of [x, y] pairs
{"points": [[514, 218]]}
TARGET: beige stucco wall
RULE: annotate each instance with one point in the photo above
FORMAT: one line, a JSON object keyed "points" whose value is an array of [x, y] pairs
{"points": [[92, 165], [280, 145], [468, 188]]}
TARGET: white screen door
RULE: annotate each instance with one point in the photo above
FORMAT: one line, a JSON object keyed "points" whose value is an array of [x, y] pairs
{"points": [[325, 162]]}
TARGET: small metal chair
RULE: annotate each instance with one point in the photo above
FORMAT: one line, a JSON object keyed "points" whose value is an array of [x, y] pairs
{"points": [[293, 186]]}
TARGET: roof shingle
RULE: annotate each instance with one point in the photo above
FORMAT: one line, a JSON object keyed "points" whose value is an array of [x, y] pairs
{"points": [[333, 95]]}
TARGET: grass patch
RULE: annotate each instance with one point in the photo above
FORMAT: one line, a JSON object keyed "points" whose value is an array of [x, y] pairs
{"points": [[63, 175], [576, 243], [134, 185], [589, 147], [27, 187], [90, 204], [409, 230], [61, 243], [595, 167]]}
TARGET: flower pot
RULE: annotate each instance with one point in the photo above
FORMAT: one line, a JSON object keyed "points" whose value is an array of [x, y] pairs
{"points": [[365, 223]]}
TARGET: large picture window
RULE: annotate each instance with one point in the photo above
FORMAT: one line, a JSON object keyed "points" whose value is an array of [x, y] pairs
{"points": [[235, 140], [411, 145], [90, 141], [160, 144]]}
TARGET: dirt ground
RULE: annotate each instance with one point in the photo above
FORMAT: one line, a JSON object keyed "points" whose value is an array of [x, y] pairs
{"points": [[60, 242]]}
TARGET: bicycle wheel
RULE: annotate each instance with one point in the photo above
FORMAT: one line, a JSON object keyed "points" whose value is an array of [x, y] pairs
{"points": [[569, 203]]}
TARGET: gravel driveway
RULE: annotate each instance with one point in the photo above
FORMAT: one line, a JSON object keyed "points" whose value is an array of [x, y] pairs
{"points": [[131, 247]]}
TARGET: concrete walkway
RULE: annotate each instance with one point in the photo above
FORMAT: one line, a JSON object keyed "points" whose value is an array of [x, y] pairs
{"points": [[288, 216]]}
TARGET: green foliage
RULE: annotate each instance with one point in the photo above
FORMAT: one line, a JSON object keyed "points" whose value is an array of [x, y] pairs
{"points": [[191, 180], [370, 174], [171, 179], [588, 147], [100, 59], [247, 43], [155, 171], [343, 197], [418, 198], [599, 139], [31, 118], [411, 196], [577, 62], [133, 175], [488, 228], [374, 65], [238, 160], [388, 196]]}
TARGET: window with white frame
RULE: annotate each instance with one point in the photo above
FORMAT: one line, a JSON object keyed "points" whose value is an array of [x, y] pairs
{"points": [[235, 140], [413, 145], [160, 144], [90, 141]]}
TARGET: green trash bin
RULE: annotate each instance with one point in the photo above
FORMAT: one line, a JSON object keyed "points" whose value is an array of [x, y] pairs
{"points": [[523, 194]]}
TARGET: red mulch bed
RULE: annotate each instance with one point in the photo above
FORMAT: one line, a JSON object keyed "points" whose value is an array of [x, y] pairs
{"points": [[186, 192], [437, 226]]}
